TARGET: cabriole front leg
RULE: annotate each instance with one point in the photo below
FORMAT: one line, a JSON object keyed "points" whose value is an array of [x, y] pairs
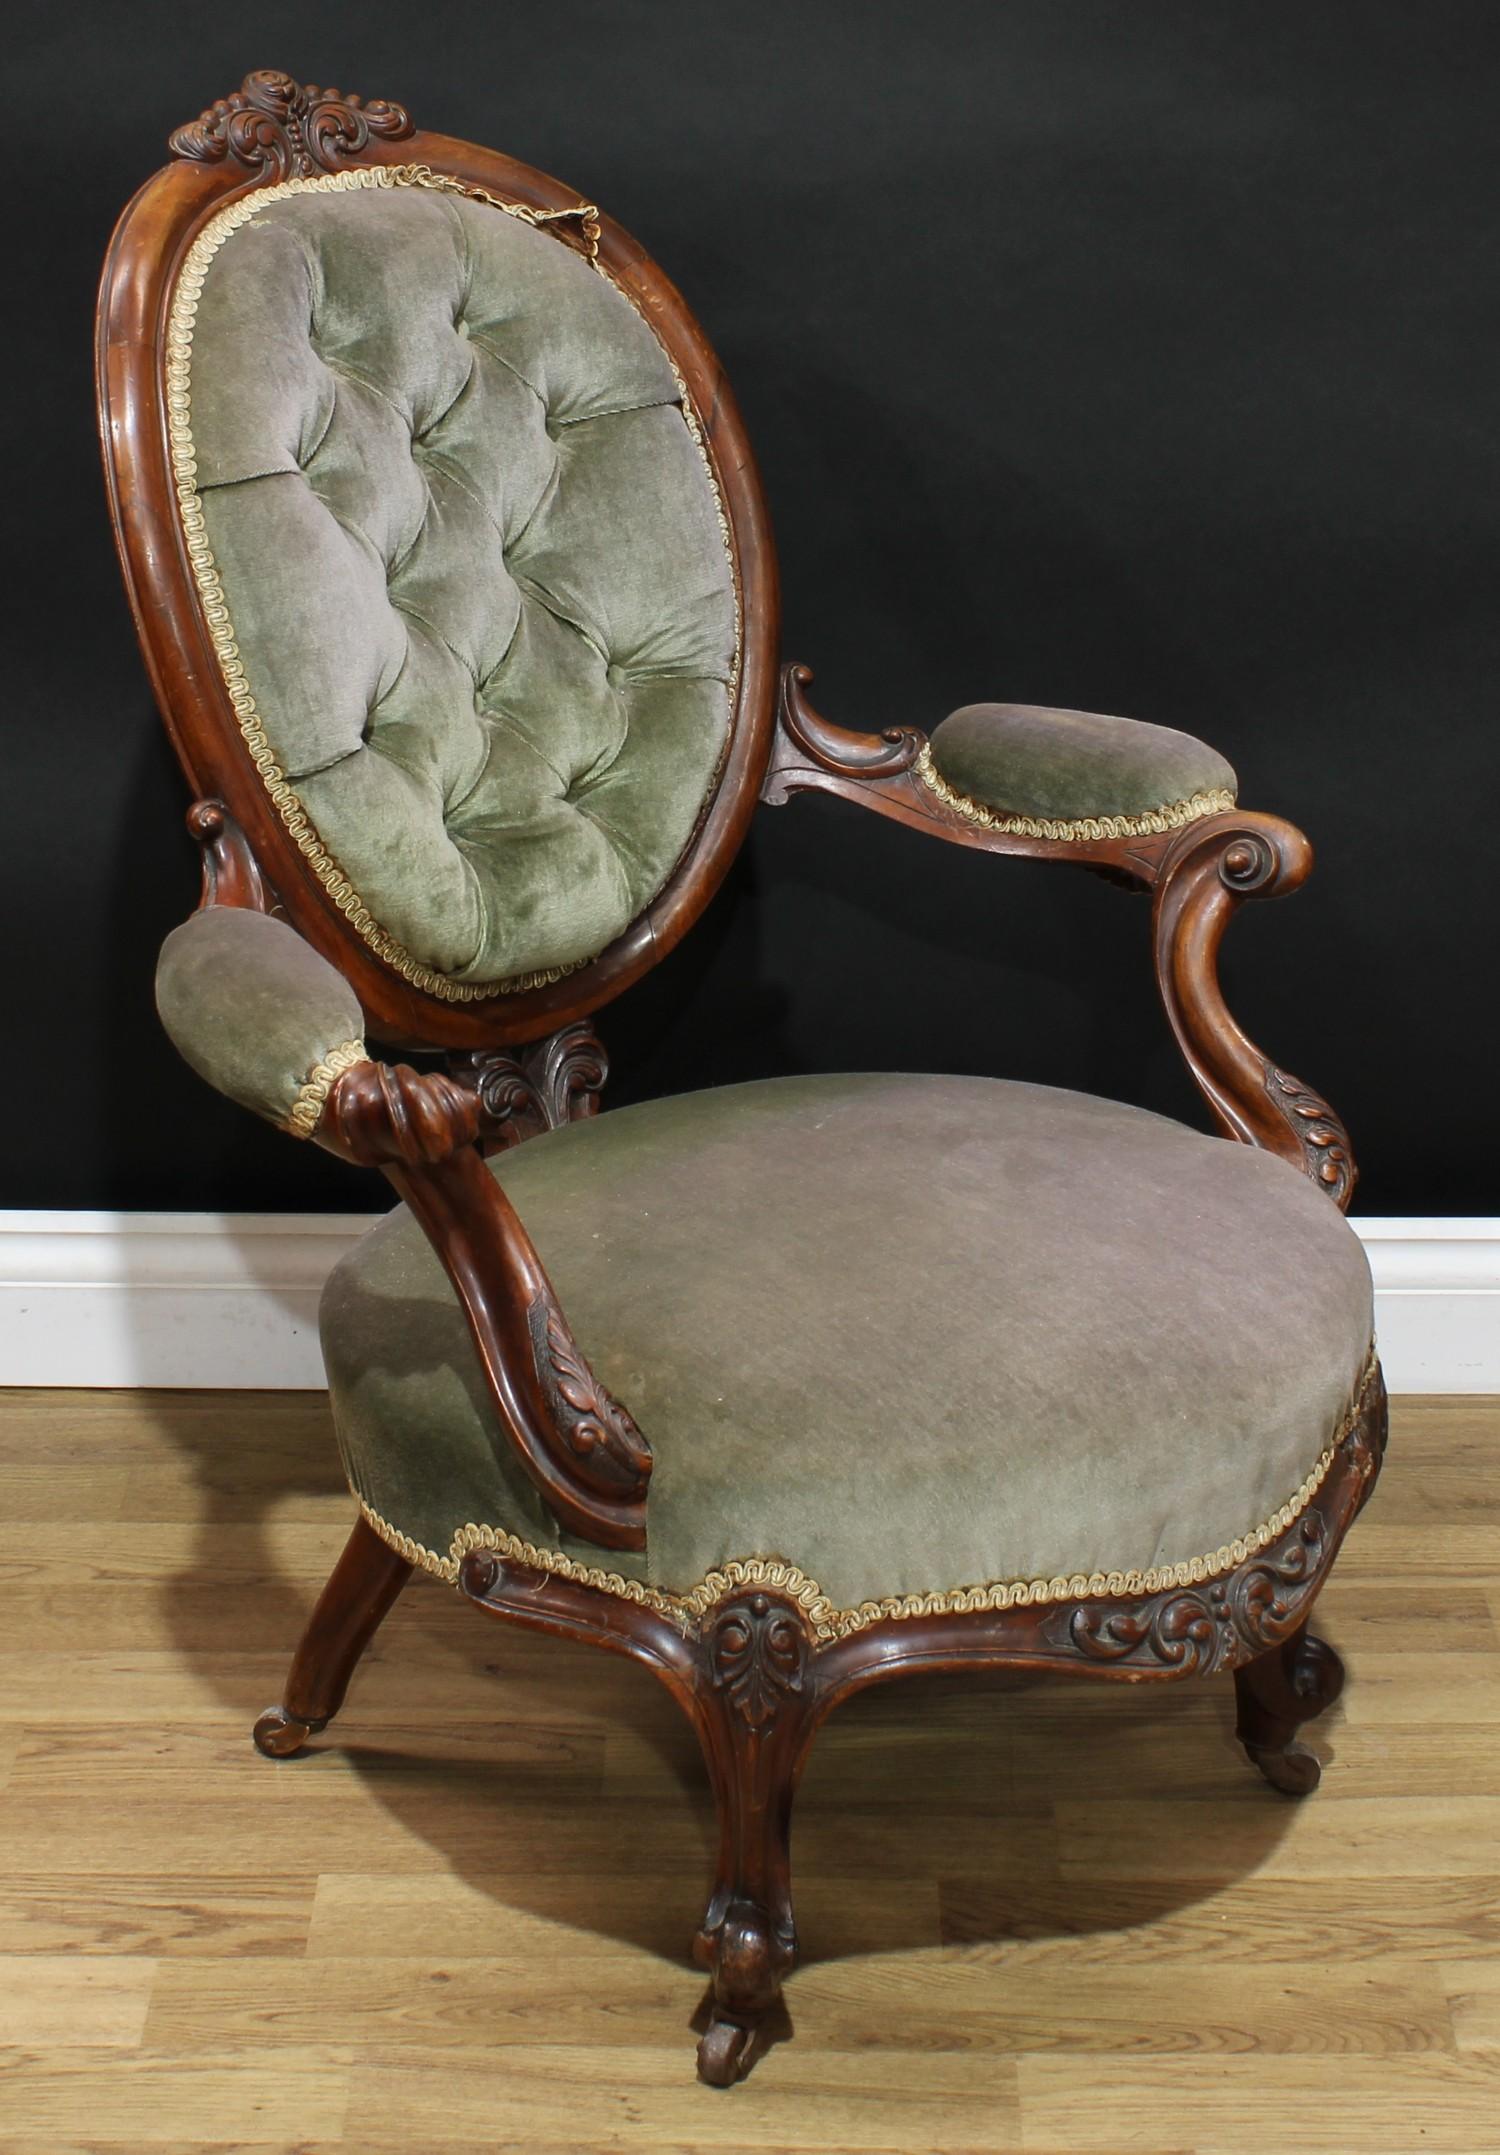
{"points": [[756, 1716], [748, 1682], [1209, 873]]}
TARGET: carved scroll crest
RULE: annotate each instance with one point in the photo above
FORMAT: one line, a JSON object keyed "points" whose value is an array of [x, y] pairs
{"points": [[281, 129]]}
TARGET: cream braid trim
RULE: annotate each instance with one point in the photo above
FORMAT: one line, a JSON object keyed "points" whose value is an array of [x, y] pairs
{"points": [[186, 296], [306, 1111], [1079, 829], [829, 1622]]}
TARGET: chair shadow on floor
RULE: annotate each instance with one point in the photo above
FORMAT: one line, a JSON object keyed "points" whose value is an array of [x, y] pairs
{"points": [[565, 1784]]}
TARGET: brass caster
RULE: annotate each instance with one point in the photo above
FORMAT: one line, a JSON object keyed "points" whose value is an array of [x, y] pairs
{"points": [[723, 2053], [279, 1734]]}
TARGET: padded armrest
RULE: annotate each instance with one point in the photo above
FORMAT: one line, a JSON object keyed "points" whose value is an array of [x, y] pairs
{"points": [[1018, 759], [258, 1013]]}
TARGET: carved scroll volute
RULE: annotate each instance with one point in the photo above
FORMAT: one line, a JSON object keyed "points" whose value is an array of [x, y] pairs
{"points": [[557, 1081], [835, 749], [1208, 874], [281, 129], [231, 873], [581, 1448]]}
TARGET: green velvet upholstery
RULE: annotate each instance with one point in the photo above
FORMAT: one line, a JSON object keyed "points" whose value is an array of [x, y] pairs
{"points": [[473, 562], [1020, 759], [908, 1333], [251, 1006]]}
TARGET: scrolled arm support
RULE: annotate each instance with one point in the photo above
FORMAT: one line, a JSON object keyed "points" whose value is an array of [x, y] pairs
{"points": [[1211, 870], [579, 1445], [1201, 862], [892, 774], [272, 1025]]}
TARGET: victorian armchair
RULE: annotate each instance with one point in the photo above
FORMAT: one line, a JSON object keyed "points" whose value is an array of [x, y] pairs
{"points": [[453, 576]]}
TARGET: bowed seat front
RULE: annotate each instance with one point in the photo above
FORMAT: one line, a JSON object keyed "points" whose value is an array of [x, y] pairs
{"points": [[914, 1336]]}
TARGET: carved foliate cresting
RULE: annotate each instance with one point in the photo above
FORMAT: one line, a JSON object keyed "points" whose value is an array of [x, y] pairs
{"points": [[539, 1088], [282, 129]]}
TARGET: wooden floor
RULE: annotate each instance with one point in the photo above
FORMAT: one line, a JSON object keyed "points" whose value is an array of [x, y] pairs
{"points": [[1060, 1917]]}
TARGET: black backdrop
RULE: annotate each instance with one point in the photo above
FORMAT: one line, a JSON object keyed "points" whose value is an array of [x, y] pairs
{"points": [[1129, 357]]}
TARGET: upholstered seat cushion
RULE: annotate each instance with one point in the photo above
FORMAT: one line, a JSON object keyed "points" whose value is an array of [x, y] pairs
{"points": [[906, 1333]]}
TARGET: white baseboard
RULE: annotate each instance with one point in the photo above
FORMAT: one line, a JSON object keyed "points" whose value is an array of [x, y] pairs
{"points": [[230, 1300], [224, 1300]]}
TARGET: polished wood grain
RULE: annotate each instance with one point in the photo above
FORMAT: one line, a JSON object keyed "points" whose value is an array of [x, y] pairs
{"points": [[1031, 1913]]}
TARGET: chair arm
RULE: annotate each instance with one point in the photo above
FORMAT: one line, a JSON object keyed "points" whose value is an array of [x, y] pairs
{"points": [[270, 1023], [581, 1448], [1010, 778], [1147, 807], [1211, 869]]}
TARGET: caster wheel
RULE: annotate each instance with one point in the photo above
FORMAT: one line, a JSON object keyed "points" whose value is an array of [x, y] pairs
{"points": [[279, 1734], [723, 2053]]}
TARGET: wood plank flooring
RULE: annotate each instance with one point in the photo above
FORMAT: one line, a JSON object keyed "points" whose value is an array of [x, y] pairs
{"points": [[1049, 1917]]}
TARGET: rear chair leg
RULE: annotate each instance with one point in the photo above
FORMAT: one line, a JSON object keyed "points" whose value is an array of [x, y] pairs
{"points": [[360, 1592], [756, 1712], [1276, 1693]]}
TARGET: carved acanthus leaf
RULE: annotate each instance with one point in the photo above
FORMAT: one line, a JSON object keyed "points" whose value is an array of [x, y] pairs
{"points": [[758, 1656], [557, 1081], [1318, 1130], [282, 129], [602, 1435], [567, 1074]]}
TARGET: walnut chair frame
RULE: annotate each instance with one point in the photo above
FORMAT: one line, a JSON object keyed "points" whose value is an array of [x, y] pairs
{"points": [[761, 1665]]}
